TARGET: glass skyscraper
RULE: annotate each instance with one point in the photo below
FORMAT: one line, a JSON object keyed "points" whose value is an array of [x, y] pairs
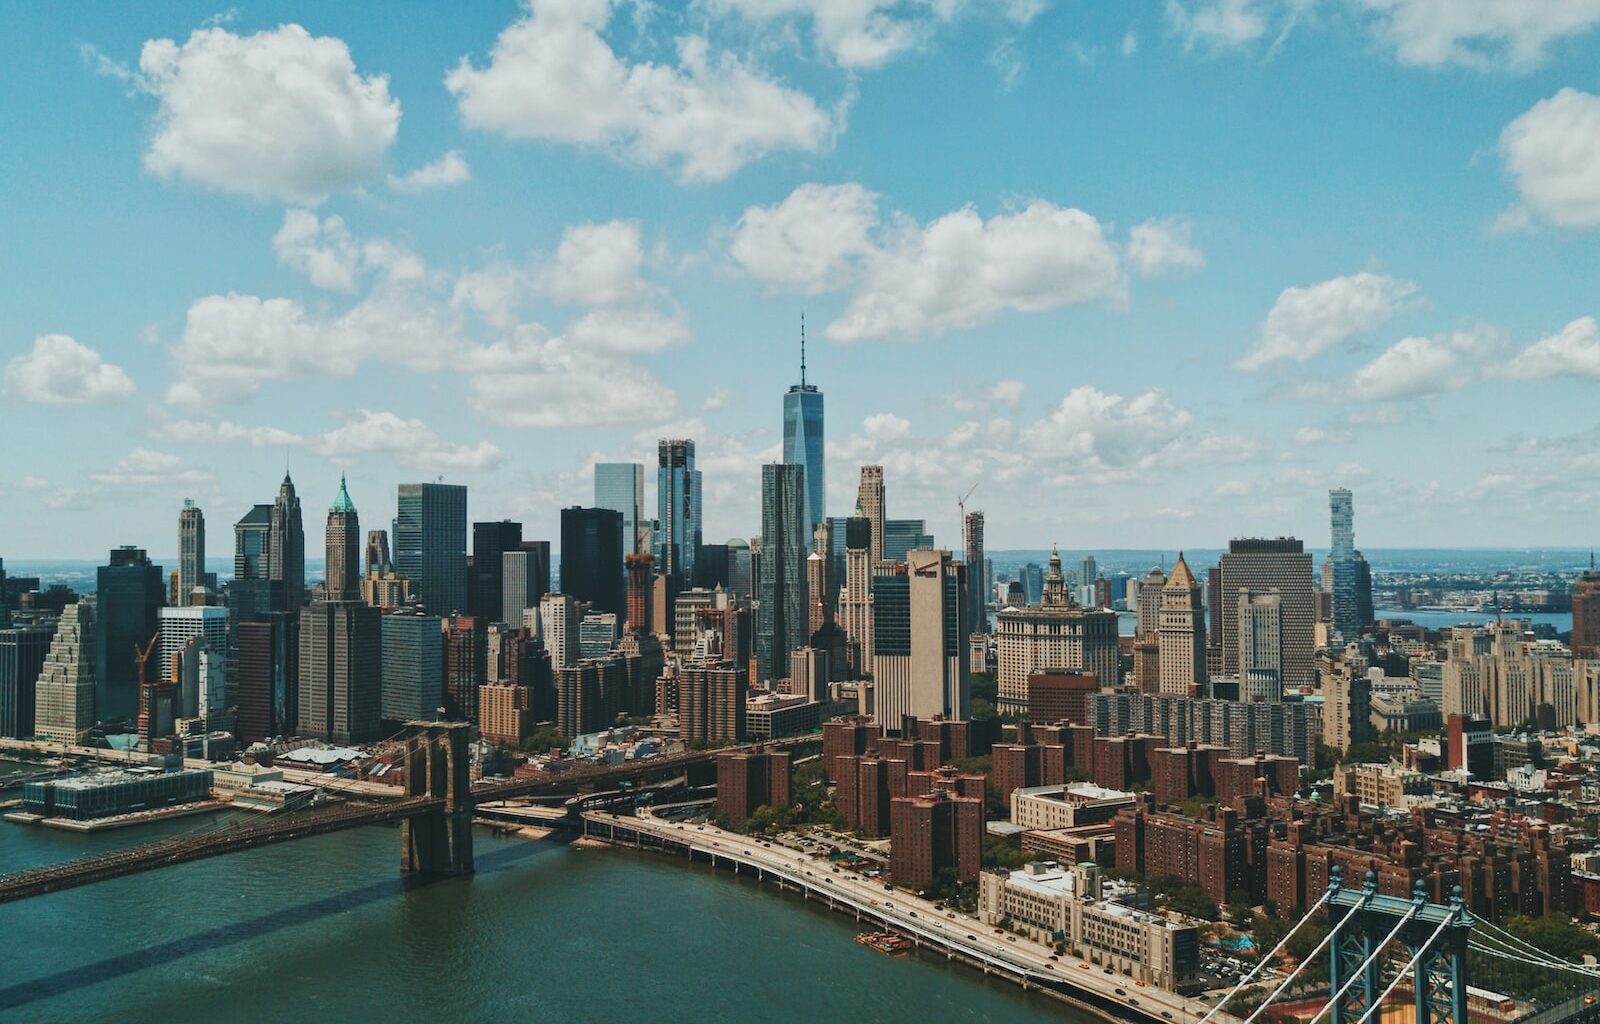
{"points": [[620, 486], [130, 590], [678, 511], [1342, 554], [802, 440], [781, 578], [430, 544]]}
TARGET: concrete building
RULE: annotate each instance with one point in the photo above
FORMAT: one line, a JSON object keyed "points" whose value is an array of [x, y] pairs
{"points": [[870, 503], [1060, 694], [1057, 633], [524, 580], [598, 633], [855, 593], [1264, 565], [934, 832], [749, 779], [586, 695], [1346, 698], [385, 591], [286, 551], [1147, 606], [711, 702], [1290, 729], [191, 551], [1586, 613], [178, 628], [341, 673], [558, 621], [504, 716], [344, 548], [1260, 646], [1380, 785], [919, 665], [466, 664], [1182, 631], [64, 698], [1066, 806]]}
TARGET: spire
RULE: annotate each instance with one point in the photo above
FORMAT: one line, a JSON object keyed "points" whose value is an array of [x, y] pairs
{"points": [[342, 503], [1181, 576], [802, 348]]}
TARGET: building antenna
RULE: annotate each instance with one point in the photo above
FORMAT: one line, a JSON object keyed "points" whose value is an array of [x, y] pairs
{"points": [[802, 348]]}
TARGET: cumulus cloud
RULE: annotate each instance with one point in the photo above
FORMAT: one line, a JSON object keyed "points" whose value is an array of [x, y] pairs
{"points": [[552, 77], [410, 441], [962, 270], [1553, 153], [1007, 391], [1217, 24], [869, 33], [596, 265], [1483, 34], [811, 242], [321, 249], [227, 432], [143, 467], [1573, 351], [1308, 436], [629, 331], [1418, 367], [449, 169], [561, 385], [1305, 322], [1157, 246], [1096, 429], [60, 370], [280, 114]]}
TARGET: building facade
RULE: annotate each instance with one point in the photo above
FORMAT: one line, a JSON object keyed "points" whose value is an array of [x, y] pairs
{"points": [[430, 544], [1057, 633]]}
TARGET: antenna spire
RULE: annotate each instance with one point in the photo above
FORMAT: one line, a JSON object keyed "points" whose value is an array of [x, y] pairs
{"points": [[802, 348]]}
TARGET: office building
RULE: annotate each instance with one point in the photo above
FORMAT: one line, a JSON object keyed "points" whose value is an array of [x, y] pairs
{"points": [[1262, 565], [803, 441], [855, 595], [1182, 633], [711, 702], [377, 553], [64, 697], [178, 626], [1260, 645], [466, 665], [431, 544], [598, 632], [23, 650], [591, 557], [191, 550], [558, 623], [1057, 633], [486, 581], [1342, 557], [413, 667], [586, 695], [978, 584], [781, 578], [619, 486], [286, 551], [711, 568], [344, 548], [504, 717], [1060, 695], [1147, 608], [129, 595], [341, 671], [524, 579], [1586, 613], [199, 671], [919, 664], [871, 504], [250, 592], [901, 536], [678, 512], [267, 676], [750, 779], [386, 591], [932, 832]]}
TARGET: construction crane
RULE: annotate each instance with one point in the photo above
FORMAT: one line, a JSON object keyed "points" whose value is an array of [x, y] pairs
{"points": [[961, 527]]}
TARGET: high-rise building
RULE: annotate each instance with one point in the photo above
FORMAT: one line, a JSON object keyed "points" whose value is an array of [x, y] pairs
{"points": [[1260, 646], [870, 503], [855, 596], [591, 557], [781, 586], [1088, 572], [1147, 611], [598, 632], [619, 486], [978, 588], [504, 715], [1182, 632], [413, 667], [558, 619], [200, 673], [711, 702], [129, 595], [286, 551], [268, 676], [741, 571], [640, 570], [191, 550], [1346, 698], [802, 439], [678, 512], [1586, 613], [341, 671], [524, 579], [919, 638], [934, 832], [250, 592], [586, 695], [23, 650], [344, 548], [431, 544], [901, 536], [180, 627], [1261, 565], [1057, 633], [466, 664], [486, 587], [64, 698], [1342, 553], [378, 558]]}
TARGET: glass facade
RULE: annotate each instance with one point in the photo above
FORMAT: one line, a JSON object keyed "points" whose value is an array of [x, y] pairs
{"points": [[1342, 553], [781, 582], [678, 525], [903, 535], [413, 667], [430, 544], [86, 797], [130, 593], [619, 486], [802, 446]]}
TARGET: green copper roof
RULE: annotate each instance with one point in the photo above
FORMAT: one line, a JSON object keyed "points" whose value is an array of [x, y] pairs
{"points": [[342, 503]]}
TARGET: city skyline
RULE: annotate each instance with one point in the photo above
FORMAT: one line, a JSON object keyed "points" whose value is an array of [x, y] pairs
{"points": [[475, 287]]}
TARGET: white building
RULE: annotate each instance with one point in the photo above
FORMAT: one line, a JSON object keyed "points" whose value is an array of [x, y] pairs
{"points": [[63, 710]]}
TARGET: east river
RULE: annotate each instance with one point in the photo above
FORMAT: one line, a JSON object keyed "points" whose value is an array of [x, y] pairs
{"points": [[324, 929]]}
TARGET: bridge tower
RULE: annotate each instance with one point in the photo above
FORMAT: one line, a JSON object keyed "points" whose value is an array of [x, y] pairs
{"points": [[1439, 977], [437, 765]]}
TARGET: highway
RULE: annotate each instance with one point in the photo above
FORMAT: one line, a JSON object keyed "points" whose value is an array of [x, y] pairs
{"points": [[914, 915]]}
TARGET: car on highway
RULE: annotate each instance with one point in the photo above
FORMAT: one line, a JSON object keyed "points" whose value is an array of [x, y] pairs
{"points": [[1121, 992]]}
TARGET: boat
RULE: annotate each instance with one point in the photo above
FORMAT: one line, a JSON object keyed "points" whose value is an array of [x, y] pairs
{"points": [[885, 942]]}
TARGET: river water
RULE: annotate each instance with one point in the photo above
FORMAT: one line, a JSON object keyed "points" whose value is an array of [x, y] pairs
{"points": [[324, 930]]}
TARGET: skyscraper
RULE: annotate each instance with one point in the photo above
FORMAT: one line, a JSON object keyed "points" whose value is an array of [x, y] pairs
{"points": [[619, 486], [641, 571], [920, 628], [64, 699], [591, 557], [129, 595], [1586, 613], [431, 544], [1182, 632], [741, 574], [191, 550], [1260, 646], [1058, 633], [1342, 555], [344, 548], [855, 596], [558, 622], [268, 676], [802, 439], [341, 671], [413, 666], [977, 572], [22, 653], [286, 551], [901, 536], [782, 573], [250, 593], [525, 578], [677, 512], [870, 503], [378, 559], [486, 589], [1280, 564], [181, 626]]}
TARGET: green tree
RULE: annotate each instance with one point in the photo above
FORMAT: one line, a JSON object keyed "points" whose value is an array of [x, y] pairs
{"points": [[1240, 908], [547, 738]]}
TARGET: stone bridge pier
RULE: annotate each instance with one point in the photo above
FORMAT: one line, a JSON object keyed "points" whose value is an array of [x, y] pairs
{"points": [[437, 764]]}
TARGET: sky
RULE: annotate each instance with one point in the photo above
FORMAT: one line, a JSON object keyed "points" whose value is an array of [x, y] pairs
{"points": [[1136, 275]]}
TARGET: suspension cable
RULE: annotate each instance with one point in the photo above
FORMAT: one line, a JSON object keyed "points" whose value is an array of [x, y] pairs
{"points": [[1447, 922], [1265, 960], [1366, 897], [1554, 965], [1377, 952]]}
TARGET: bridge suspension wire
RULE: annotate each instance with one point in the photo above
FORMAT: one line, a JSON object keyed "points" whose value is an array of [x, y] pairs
{"points": [[1515, 942], [1378, 1003], [1267, 959], [1376, 954], [1366, 897], [1550, 963]]}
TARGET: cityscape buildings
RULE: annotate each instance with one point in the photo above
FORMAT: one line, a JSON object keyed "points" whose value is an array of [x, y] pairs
{"points": [[344, 548], [591, 557], [191, 550], [1342, 557], [430, 544], [1057, 633], [803, 441], [919, 663], [678, 511], [619, 486], [286, 550], [129, 595], [64, 696], [781, 588], [1261, 565], [486, 580], [870, 503], [1182, 634]]}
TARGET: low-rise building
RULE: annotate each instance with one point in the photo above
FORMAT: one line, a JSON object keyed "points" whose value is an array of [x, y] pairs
{"points": [[1052, 807]]}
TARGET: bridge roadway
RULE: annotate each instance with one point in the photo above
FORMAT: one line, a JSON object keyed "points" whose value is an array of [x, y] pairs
{"points": [[183, 848], [954, 933]]}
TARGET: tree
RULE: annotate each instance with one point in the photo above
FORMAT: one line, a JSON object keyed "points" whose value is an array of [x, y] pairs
{"points": [[546, 738], [1240, 908], [999, 853]]}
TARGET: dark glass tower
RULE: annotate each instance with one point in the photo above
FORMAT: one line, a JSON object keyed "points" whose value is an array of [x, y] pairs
{"points": [[430, 544], [781, 586], [490, 542], [678, 511], [802, 439], [130, 592], [249, 594], [591, 557], [286, 551]]}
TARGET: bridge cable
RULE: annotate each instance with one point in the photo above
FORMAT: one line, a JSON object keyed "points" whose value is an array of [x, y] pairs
{"points": [[1378, 1003], [1366, 897], [1267, 959], [1377, 952], [1554, 965]]}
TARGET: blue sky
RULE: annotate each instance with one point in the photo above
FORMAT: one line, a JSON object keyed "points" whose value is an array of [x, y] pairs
{"points": [[1149, 274]]}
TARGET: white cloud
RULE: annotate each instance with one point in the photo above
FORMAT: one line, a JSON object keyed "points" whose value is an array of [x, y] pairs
{"points": [[1007, 391], [494, 292], [1418, 367], [1130, 44], [560, 385], [1095, 430], [596, 265], [410, 441], [629, 331], [233, 343], [1305, 322], [869, 33], [1553, 153], [321, 249], [961, 270], [449, 169], [225, 431], [809, 243], [1307, 436], [552, 77], [144, 467], [1157, 246], [59, 370], [1484, 34], [1572, 351], [1216, 24], [277, 115]]}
